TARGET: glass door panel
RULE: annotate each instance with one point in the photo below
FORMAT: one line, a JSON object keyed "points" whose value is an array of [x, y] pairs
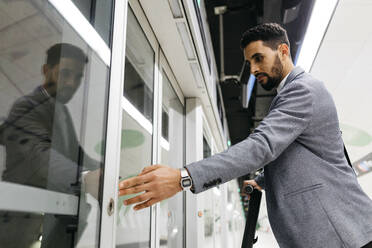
{"points": [[133, 228], [171, 222], [53, 95]]}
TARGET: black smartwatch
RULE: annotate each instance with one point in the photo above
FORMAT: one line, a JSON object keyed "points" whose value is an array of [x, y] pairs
{"points": [[186, 182]]}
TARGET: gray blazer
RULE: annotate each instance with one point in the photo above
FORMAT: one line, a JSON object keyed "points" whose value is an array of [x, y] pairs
{"points": [[313, 197]]}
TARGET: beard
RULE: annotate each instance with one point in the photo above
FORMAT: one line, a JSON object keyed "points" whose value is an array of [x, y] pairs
{"points": [[62, 94], [277, 75], [65, 94]]}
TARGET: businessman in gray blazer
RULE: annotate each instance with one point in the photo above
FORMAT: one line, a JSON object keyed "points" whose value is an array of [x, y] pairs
{"points": [[313, 197]]}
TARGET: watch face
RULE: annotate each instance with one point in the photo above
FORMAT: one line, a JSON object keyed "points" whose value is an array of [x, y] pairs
{"points": [[186, 182]]}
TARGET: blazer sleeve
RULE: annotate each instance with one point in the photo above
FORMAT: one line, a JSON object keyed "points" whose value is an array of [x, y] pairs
{"points": [[288, 118]]}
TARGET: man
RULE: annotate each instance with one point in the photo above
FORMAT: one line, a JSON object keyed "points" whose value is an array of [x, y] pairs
{"points": [[42, 149], [313, 197]]}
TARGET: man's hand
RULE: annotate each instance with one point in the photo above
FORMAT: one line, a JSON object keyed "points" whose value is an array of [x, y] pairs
{"points": [[253, 183], [156, 182]]}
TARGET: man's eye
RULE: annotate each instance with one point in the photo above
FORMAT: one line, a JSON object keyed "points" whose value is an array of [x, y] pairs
{"points": [[258, 59]]}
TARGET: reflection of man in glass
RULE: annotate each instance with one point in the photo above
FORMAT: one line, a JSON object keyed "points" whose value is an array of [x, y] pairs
{"points": [[42, 148]]}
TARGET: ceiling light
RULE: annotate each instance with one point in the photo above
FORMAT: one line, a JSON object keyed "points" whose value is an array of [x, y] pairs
{"points": [[197, 75], [319, 20], [137, 115], [76, 19], [186, 40], [176, 9]]}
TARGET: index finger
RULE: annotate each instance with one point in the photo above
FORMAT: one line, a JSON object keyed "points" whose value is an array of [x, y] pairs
{"points": [[134, 181]]}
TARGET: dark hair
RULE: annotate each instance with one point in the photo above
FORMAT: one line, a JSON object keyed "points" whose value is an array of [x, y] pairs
{"points": [[272, 35], [64, 50]]}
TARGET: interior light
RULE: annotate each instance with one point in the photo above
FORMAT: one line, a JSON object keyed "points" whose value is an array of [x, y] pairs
{"points": [[197, 75], [175, 8], [164, 143], [247, 81], [76, 19], [319, 20], [137, 115], [186, 40]]}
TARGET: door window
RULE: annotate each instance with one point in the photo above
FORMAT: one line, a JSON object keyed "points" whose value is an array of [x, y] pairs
{"points": [[53, 94], [133, 227]]}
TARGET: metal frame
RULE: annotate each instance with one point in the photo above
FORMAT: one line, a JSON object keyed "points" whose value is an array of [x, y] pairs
{"points": [[21, 198], [114, 119]]}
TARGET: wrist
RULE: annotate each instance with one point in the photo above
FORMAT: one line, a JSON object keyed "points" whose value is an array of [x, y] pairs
{"points": [[179, 178]]}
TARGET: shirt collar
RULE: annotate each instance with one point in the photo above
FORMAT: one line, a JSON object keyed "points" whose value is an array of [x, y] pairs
{"points": [[280, 86], [45, 92]]}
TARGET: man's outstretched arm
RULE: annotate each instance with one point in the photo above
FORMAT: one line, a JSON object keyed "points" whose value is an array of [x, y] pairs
{"points": [[158, 182], [285, 122]]}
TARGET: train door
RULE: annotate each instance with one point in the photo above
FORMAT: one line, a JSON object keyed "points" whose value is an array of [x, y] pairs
{"points": [[139, 125], [153, 127]]}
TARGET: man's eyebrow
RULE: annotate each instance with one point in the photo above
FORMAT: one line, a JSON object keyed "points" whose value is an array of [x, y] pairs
{"points": [[256, 55]]}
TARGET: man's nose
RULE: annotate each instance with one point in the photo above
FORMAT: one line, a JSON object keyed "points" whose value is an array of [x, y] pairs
{"points": [[254, 69]]}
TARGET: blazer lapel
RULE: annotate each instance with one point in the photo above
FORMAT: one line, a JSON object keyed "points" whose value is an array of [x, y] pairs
{"points": [[292, 76]]}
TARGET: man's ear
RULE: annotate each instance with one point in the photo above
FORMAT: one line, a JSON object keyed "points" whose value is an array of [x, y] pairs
{"points": [[284, 50], [45, 69]]}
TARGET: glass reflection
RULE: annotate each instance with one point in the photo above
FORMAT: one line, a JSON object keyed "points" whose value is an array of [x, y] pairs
{"points": [[139, 69], [207, 152], [172, 153], [133, 227], [39, 132], [51, 124]]}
